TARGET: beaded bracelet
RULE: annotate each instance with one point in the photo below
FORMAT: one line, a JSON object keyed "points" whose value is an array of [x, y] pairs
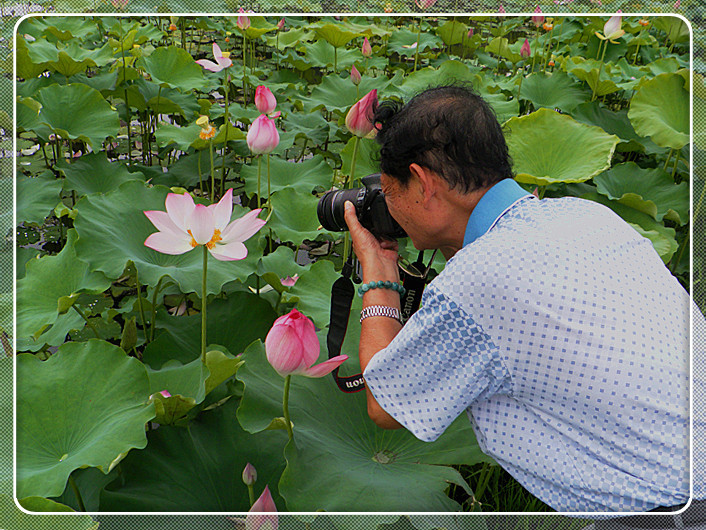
{"points": [[386, 284]]}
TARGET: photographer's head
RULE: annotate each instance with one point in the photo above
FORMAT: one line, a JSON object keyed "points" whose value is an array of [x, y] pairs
{"points": [[449, 130]]}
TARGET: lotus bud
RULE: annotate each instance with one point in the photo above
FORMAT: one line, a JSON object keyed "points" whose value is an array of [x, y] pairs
{"points": [[280, 24], [366, 49], [262, 136], [501, 9], [264, 100], [470, 33], [359, 119], [265, 503], [243, 20], [355, 76], [249, 474], [525, 50], [538, 18]]}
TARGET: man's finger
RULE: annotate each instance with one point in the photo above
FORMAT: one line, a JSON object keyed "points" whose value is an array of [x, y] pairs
{"points": [[350, 216]]}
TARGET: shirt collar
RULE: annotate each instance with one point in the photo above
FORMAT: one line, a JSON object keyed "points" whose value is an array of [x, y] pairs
{"points": [[491, 206]]}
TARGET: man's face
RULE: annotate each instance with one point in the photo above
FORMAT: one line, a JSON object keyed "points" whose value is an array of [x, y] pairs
{"points": [[404, 207]]}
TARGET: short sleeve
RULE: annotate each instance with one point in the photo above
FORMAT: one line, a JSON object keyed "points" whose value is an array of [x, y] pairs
{"points": [[439, 364]]}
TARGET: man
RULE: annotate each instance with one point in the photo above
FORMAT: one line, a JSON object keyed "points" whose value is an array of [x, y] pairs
{"points": [[554, 324]]}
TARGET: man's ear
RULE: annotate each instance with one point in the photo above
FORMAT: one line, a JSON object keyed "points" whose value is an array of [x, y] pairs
{"points": [[428, 181]]}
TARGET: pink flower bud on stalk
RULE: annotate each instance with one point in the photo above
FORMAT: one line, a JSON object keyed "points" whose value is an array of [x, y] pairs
{"points": [[265, 503], [249, 474], [264, 100], [292, 347], [359, 119], [355, 76], [243, 20], [262, 136], [538, 19], [501, 9], [470, 33], [525, 50], [280, 24], [366, 49]]}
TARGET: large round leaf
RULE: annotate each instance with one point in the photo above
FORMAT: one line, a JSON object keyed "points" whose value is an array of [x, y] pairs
{"points": [[652, 191], [37, 197], [76, 111], [93, 173], [549, 147], [334, 438], [85, 406], [335, 35], [197, 469], [173, 67], [112, 230], [51, 286], [553, 91], [660, 110]]}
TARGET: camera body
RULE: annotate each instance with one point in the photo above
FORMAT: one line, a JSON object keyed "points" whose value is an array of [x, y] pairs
{"points": [[370, 207]]}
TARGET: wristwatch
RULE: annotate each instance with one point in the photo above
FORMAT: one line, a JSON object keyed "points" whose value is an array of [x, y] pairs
{"points": [[380, 311]]}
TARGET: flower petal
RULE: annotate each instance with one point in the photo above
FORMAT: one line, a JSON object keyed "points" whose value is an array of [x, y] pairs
{"points": [[243, 228], [222, 210], [325, 367], [167, 244], [283, 348], [180, 206], [229, 252], [164, 223], [201, 224], [210, 65]]}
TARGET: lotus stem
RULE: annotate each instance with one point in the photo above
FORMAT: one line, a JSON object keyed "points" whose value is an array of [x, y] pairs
{"points": [[226, 122], [199, 170], [213, 178], [154, 308], [259, 171], [676, 163], [204, 294], [251, 494], [676, 259], [534, 58], [77, 493], [269, 194], [416, 49], [519, 88], [139, 303], [88, 322], [285, 407], [669, 157], [335, 60], [600, 69]]}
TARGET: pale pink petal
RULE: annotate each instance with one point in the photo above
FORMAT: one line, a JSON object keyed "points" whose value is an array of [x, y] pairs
{"points": [[284, 349], [229, 252], [222, 210], [289, 281], [202, 224], [180, 206], [243, 228], [224, 62], [325, 367], [210, 65], [217, 51], [262, 521], [310, 342], [164, 223], [167, 244]]}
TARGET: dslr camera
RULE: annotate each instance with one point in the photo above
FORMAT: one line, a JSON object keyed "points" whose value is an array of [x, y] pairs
{"points": [[370, 206]]}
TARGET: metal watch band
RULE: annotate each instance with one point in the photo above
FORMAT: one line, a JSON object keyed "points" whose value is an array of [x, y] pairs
{"points": [[380, 311]]}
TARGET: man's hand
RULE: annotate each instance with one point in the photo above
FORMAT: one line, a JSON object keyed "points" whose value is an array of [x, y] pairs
{"points": [[377, 258]]}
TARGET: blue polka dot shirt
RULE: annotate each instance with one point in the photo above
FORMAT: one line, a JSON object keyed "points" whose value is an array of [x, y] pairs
{"points": [[562, 335]]}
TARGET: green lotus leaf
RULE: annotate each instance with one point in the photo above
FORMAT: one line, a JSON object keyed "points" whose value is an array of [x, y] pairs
{"points": [[74, 59], [18, 520], [233, 322], [312, 126], [198, 469], [89, 481], [112, 230], [302, 177], [448, 72], [287, 39], [49, 281], [96, 413], [37, 197], [501, 46], [338, 93], [40, 504], [660, 110], [452, 32], [173, 67], [27, 116], [164, 100], [93, 173], [183, 137], [78, 112], [335, 35], [366, 158], [27, 67], [403, 42], [662, 238], [549, 147], [66, 28], [221, 366], [258, 27], [185, 383], [555, 90], [294, 216], [651, 191], [55, 335], [676, 29], [504, 108], [590, 70], [334, 437]]}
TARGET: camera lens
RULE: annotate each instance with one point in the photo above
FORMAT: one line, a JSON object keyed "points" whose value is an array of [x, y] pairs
{"points": [[330, 208]]}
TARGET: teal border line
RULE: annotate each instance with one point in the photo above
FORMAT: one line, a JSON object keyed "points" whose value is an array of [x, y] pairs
{"points": [[11, 518]]}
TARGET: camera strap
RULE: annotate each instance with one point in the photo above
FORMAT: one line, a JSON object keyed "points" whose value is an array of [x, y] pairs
{"points": [[342, 293]]}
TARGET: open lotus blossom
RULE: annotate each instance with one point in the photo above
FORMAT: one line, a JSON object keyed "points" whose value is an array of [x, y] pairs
{"points": [[292, 347], [366, 49], [186, 225], [355, 76], [359, 119], [222, 60], [525, 50], [612, 29], [537, 18], [265, 100], [262, 136], [256, 521]]}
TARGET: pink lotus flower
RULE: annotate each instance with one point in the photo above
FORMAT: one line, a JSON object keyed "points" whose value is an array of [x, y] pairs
{"points": [[538, 19], [249, 475], [525, 50], [222, 61], [292, 347], [264, 503], [359, 119], [366, 49], [262, 136], [280, 24], [611, 29], [186, 225], [243, 22], [424, 4], [289, 281], [355, 76], [265, 100], [470, 33]]}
